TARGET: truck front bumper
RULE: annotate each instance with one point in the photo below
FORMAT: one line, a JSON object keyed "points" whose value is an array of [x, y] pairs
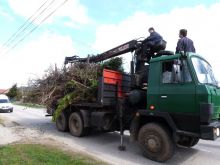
{"points": [[211, 131]]}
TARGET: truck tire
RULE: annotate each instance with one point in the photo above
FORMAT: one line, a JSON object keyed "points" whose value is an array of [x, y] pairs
{"points": [[155, 142], [76, 125], [188, 142], [62, 122]]}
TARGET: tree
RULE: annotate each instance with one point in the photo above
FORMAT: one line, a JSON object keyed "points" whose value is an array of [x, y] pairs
{"points": [[13, 92]]}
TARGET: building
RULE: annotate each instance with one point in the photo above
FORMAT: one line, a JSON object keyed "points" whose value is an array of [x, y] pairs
{"points": [[4, 91]]}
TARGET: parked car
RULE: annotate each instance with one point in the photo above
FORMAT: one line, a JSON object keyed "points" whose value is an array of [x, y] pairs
{"points": [[5, 105]]}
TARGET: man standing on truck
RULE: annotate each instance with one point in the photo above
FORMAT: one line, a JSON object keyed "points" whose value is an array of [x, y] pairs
{"points": [[184, 43]]}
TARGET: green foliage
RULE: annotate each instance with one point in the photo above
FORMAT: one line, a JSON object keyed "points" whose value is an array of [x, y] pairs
{"points": [[63, 103], [85, 83], [32, 97], [14, 93], [113, 64], [35, 154], [31, 105], [19, 95], [79, 93], [77, 83]]}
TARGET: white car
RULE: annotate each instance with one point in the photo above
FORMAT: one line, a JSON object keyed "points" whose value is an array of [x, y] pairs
{"points": [[5, 105]]}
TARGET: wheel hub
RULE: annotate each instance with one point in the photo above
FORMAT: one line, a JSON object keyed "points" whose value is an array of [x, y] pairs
{"points": [[75, 125], [153, 143]]}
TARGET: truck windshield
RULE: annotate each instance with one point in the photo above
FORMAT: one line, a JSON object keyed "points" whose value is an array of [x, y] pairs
{"points": [[204, 72]]}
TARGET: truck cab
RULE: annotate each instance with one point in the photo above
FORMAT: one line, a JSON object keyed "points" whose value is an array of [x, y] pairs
{"points": [[188, 91], [183, 97]]}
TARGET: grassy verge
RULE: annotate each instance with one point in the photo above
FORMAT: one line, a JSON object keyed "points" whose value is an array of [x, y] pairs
{"points": [[22, 154], [31, 105]]}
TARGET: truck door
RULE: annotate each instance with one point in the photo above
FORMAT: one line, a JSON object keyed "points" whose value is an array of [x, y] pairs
{"points": [[177, 94]]}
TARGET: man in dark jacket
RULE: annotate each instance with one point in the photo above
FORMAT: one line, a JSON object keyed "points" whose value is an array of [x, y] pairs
{"points": [[152, 44], [184, 43], [154, 37]]}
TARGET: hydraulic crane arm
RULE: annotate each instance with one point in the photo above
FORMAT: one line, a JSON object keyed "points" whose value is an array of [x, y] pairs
{"points": [[119, 50]]}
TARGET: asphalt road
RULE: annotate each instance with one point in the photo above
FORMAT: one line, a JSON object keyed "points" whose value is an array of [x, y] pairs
{"points": [[103, 145]]}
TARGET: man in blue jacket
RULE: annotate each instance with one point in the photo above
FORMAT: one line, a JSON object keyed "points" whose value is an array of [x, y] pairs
{"points": [[184, 43], [154, 37], [153, 44]]}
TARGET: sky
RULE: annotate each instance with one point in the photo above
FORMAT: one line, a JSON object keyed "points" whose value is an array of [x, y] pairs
{"points": [[82, 27]]}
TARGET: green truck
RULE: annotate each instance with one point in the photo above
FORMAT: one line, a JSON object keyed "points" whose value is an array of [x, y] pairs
{"points": [[170, 100]]}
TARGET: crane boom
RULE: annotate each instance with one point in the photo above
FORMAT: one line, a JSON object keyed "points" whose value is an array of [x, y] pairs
{"points": [[119, 50]]}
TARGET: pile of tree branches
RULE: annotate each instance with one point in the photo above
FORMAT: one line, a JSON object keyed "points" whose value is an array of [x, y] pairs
{"points": [[60, 88]]}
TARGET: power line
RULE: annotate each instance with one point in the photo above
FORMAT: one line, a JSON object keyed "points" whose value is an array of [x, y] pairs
{"points": [[36, 26], [22, 27], [31, 23]]}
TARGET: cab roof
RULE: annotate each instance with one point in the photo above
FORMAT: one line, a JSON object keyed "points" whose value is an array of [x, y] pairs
{"points": [[165, 56]]}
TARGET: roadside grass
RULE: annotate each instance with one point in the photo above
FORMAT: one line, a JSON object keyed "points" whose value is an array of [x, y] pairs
{"points": [[30, 105], [35, 154]]}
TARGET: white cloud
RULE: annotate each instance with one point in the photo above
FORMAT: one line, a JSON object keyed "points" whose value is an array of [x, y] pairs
{"points": [[32, 59], [75, 11], [72, 10], [200, 21], [71, 25]]}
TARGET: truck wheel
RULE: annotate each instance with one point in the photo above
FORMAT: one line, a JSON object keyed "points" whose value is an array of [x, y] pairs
{"points": [[188, 141], [155, 142], [76, 125], [62, 122]]}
